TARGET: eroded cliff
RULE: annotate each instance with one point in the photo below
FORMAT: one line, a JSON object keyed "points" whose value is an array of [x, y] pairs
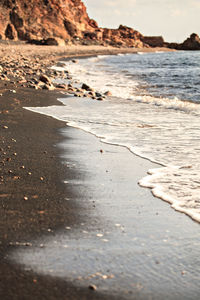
{"points": [[67, 19]]}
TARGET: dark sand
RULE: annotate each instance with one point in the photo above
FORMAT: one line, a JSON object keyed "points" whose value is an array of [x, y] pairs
{"points": [[29, 141], [153, 254]]}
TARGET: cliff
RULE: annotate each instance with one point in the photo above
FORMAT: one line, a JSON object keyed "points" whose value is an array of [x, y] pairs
{"points": [[66, 21], [39, 20]]}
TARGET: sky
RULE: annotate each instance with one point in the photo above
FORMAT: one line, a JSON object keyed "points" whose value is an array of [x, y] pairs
{"points": [[175, 20]]}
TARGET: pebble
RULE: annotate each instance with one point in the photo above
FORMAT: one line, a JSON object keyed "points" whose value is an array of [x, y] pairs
{"points": [[99, 235], [62, 86], [48, 87], [108, 93], [86, 87], [92, 287]]}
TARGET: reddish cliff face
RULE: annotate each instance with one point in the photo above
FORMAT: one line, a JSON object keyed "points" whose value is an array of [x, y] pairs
{"points": [[67, 19], [39, 19]]}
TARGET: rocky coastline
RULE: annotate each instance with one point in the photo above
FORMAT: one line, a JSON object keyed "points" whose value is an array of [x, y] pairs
{"points": [[54, 23], [29, 66]]}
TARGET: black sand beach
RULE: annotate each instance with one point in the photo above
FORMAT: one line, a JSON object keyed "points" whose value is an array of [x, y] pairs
{"points": [[146, 250], [32, 192]]}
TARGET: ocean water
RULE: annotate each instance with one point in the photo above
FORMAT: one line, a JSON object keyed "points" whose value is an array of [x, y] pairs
{"points": [[154, 112]]}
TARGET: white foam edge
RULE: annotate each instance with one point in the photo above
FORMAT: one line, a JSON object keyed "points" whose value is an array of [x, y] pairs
{"points": [[174, 103], [158, 192], [156, 189]]}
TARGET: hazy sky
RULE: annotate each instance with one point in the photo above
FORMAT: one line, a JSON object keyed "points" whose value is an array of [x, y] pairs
{"points": [[175, 20]]}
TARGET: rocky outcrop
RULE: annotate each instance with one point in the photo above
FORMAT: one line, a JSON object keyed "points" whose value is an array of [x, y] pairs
{"points": [[37, 19], [191, 43], [154, 41], [40, 21], [57, 22], [123, 36]]}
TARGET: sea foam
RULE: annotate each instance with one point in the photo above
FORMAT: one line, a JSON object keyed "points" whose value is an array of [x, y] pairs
{"points": [[163, 130]]}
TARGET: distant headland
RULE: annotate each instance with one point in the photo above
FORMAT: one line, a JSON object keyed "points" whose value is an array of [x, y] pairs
{"points": [[51, 22]]}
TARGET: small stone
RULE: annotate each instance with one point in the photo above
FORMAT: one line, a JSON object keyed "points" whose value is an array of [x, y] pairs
{"points": [[86, 87], [183, 272], [45, 79], [92, 287], [108, 93], [48, 87], [91, 94], [62, 86]]}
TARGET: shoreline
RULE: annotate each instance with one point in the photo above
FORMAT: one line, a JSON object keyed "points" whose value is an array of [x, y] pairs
{"points": [[28, 146]]}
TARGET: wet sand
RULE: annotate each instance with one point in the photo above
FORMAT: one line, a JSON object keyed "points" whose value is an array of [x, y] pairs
{"points": [[98, 228]]}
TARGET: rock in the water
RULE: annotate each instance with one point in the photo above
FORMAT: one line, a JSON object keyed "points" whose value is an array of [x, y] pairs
{"points": [[98, 94], [108, 93], [86, 87]]}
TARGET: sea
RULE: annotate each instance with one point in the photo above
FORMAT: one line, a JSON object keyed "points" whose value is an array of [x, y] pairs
{"points": [[154, 112]]}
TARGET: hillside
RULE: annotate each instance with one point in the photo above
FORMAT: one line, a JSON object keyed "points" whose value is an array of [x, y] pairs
{"points": [[66, 19]]}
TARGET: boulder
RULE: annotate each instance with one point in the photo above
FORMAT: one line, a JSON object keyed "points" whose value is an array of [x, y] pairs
{"points": [[45, 79], [53, 41]]}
